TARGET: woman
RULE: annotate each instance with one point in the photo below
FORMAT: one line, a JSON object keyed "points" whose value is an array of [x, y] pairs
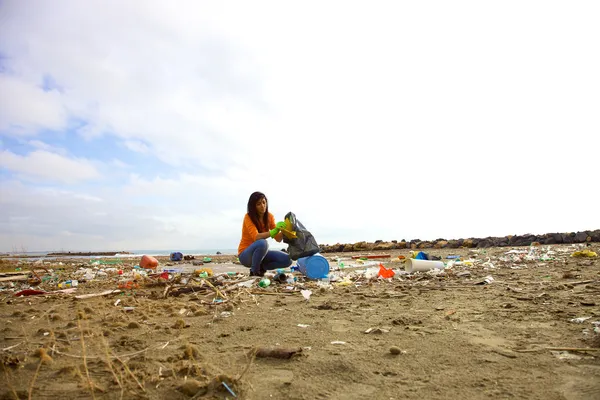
{"points": [[259, 224]]}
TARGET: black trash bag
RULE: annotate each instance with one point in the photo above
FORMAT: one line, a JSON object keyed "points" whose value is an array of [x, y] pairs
{"points": [[305, 244]]}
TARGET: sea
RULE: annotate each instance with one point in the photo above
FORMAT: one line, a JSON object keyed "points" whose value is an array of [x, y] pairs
{"points": [[35, 255]]}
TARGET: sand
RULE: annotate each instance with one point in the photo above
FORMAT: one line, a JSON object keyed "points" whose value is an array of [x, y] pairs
{"points": [[430, 336]]}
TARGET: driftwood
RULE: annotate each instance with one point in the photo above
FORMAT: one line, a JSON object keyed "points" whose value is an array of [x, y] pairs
{"points": [[14, 278], [105, 293]]}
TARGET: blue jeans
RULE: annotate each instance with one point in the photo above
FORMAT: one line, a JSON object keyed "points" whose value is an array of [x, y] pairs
{"points": [[259, 258]]}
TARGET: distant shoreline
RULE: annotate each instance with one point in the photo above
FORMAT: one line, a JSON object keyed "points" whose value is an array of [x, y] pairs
{"points": [[89, 254]]}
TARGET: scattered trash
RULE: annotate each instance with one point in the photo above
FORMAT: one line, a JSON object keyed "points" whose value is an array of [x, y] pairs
{"points": [[565, 355], [306, 294], [338, 342], [29, 292], [377, 331], [228, 389], [384, 272], [580, 320], [264, 282], [313, 267], [485, 281], [584, 253], [415, 265], [303, 325], [68, 284], [148, 262], [247, 283]]}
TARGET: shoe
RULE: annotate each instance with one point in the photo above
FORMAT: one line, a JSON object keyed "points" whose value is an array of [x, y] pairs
{"points": [[261, 274]]}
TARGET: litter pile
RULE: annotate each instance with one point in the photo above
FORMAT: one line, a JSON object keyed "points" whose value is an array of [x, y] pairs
{"points": [[143, 309]]}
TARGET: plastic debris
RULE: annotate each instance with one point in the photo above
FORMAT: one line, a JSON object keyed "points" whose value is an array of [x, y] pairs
{"points": [[580, 320], [306, 294], [384, 272], [584, 253], [377, 330], [565, 355], [485, 281]]}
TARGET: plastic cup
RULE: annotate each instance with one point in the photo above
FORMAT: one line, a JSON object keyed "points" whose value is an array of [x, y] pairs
{"points": [[413, 265]]}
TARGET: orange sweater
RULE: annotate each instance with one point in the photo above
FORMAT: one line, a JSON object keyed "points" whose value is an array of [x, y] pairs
{"points": [[249, 232]]}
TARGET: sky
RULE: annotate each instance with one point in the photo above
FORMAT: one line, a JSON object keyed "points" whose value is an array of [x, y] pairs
{"points": [[147, 124]]}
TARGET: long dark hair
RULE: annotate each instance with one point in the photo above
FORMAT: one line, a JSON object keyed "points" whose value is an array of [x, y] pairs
{"points": [[255, 198]]}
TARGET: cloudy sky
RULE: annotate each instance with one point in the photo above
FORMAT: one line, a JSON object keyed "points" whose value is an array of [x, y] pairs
{"points": [[147, 124]]}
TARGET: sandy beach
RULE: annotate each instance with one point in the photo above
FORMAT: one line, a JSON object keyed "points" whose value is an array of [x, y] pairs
{"points": [[434, 335]]}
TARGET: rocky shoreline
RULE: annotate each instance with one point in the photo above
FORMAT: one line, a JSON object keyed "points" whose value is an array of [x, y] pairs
{"points": [[504, 241]]}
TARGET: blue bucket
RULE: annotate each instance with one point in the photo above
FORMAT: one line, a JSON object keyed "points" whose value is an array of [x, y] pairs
{"points": [[314, 267]]}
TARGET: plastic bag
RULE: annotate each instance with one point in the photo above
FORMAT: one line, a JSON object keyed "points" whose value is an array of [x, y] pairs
{"points": [[304, 244]]}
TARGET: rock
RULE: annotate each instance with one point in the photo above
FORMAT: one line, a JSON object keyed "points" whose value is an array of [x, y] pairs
{"points": [[501, 241], [595, 235], [133, 325], [384, 246], [580, 237], [441, 244], [395, 350], [468, 243], [425, 245], [361, 246], [536, 244], [348, 248], [453, 244], [485, 243], [568, 238], [179, 324]]}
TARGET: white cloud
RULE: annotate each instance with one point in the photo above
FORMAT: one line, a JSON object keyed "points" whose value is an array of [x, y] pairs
{"points": [[119, 164], [47, 147], [26, 108], [137, 146], [48, 167], [381, 121]]}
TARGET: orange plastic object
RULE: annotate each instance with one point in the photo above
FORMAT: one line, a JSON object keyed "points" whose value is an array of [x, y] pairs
{"points": [[148, 262], [128, 285], [384, 272]]}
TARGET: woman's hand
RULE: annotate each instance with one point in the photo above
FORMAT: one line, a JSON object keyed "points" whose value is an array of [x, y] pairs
{"points": [[281, 225]]}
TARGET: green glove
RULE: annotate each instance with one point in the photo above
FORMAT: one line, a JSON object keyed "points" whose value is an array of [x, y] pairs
{"points": [[274, 232], [281, 225]]}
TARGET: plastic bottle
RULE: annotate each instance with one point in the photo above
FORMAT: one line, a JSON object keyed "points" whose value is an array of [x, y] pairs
{"points": [[264, 282]]}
